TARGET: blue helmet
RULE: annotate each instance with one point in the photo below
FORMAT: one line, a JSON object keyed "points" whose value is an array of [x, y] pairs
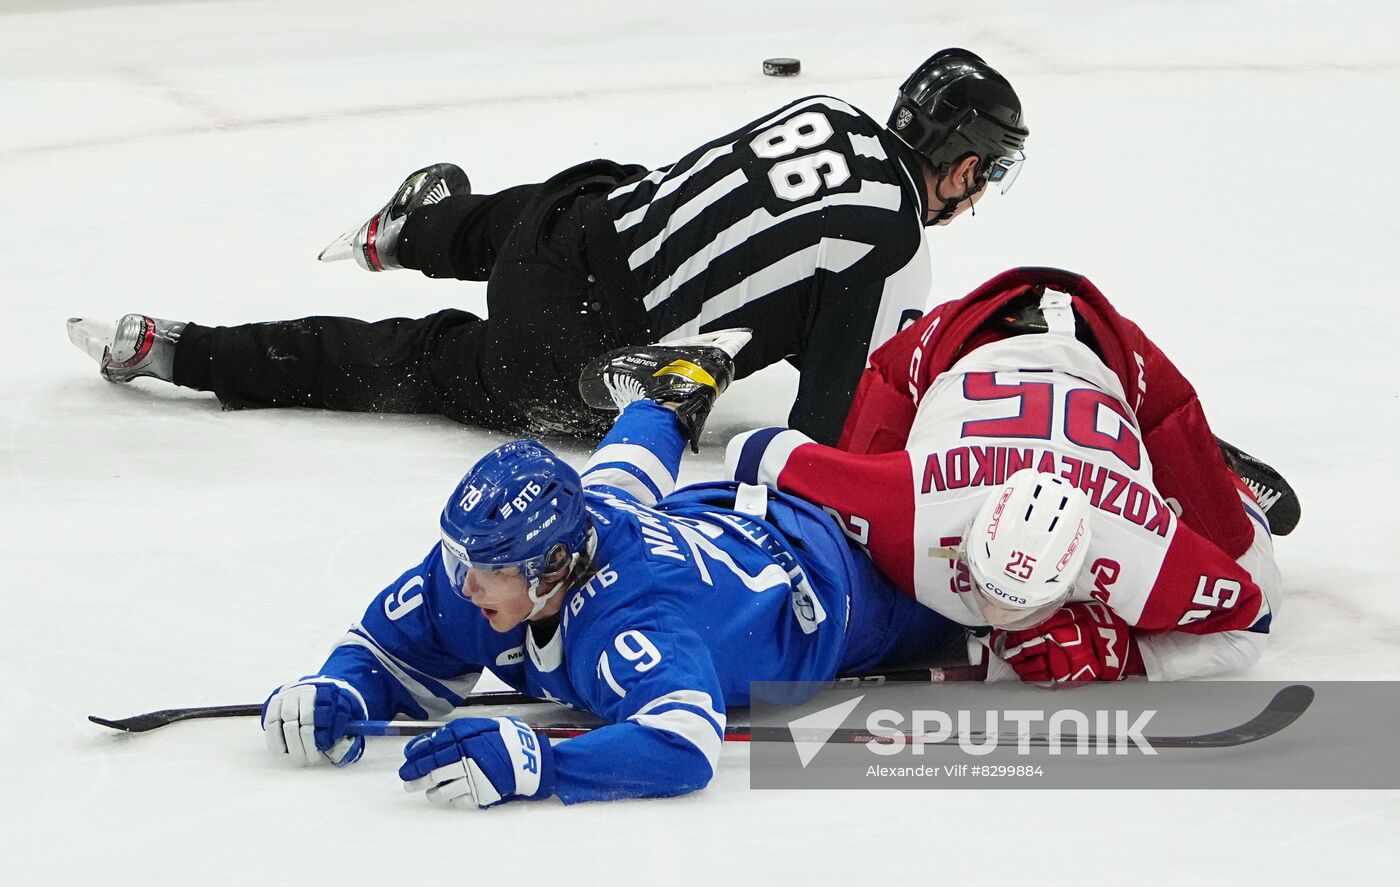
{"points": [[511, 510]]}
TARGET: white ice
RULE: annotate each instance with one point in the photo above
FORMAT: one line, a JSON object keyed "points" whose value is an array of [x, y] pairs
{"points": [[1222, 170]]}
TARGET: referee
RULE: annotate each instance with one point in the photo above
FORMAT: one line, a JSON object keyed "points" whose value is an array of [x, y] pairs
{"points": [[806, 225]]}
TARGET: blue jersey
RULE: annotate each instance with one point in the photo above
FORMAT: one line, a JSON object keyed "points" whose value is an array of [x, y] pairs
{"points": [[688, 602]]}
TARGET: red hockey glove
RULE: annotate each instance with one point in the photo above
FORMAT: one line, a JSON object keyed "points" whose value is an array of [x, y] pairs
{"points": [[1080, 642]]}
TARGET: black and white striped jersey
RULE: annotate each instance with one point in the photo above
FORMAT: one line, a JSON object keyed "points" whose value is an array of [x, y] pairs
{"points": [[806, 225]]}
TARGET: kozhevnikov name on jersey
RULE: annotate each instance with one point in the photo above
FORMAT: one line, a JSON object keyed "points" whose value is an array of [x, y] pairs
{"points": [[987, 466]]}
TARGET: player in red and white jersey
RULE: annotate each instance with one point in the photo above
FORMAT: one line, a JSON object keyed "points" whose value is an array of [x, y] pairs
{"points": [[1178, 604]]}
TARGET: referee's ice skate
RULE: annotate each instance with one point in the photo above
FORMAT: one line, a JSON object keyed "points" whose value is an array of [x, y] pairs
{"points": [[135, 346]]}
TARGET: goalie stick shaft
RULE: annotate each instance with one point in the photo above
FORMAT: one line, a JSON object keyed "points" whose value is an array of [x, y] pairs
{"points": [[1286, 707], [153, 720]]}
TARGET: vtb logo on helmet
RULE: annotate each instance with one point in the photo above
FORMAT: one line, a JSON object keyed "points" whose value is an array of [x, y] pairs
{"points": [[522, 499], [1027, 547], [956, 104]]}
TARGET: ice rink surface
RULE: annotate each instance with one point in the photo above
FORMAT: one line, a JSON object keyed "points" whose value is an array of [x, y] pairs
{"points": [[1221, 170]]}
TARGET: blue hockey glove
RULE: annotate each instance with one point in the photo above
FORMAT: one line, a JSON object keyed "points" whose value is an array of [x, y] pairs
{"points": [[306, 719], [481, 762]]}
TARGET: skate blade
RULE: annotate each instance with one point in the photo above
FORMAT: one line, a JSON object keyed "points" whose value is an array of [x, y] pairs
{"points": [[731, 342], [91, 336], [342, 248]]}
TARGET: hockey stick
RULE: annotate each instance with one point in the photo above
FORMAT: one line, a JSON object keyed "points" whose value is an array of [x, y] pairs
{"points": [[1286, 707], [153, 720]]}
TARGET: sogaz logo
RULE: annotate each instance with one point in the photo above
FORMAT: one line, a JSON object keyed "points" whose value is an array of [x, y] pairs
{"points": [[1002, 593]]}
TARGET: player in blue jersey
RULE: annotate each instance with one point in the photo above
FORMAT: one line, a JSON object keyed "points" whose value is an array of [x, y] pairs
{"points": [[612, 592]]}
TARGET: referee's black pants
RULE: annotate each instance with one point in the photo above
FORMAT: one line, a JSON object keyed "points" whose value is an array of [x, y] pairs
{"points": [[558, 293]]}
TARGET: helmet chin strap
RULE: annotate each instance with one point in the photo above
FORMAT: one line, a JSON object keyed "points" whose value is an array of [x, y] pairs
{"points": [[950, 207], [540, 601]]}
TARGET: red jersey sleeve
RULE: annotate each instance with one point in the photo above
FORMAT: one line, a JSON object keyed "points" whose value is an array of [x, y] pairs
{"points": [[872, 497]]}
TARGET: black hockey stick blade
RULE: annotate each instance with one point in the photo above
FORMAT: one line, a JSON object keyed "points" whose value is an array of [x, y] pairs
{"points": [[1286, 707], [151, 720]]}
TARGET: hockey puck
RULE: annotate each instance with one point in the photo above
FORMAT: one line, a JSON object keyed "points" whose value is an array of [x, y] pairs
{"points": [[782, 67]]}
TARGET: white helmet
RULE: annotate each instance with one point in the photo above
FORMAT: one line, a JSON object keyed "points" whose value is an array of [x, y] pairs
{"points": [[1026, 547]]}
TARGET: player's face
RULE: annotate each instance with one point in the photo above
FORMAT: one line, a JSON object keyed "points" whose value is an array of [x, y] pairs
{"points": [[502, 596]]}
